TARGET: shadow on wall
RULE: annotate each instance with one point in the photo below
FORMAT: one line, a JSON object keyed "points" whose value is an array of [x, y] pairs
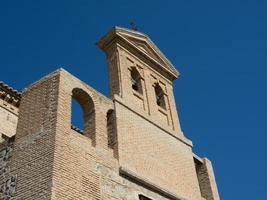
{"points": [[83, 118]]}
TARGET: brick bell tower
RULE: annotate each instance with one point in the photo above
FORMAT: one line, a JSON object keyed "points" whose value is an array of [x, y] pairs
{"points": [[131, 146], [141, 77], [151, 144]]}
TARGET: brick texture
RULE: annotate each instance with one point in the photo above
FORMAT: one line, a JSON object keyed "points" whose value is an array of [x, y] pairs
{"points": [[131, 145]]}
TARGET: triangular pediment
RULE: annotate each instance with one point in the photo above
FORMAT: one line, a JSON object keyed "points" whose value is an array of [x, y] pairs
{"points": [[143, 44]]}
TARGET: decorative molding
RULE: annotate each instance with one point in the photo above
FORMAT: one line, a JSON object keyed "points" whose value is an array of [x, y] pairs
{"points": [[124, 171], [9, 94], [141, 45], [197, 159]]}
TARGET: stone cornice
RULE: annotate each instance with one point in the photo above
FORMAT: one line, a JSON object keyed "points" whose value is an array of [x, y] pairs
{"points": [[125, 172], [127, 37], [9, 94], [197, 159]]}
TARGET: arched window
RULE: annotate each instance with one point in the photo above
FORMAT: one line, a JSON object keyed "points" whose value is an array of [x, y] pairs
{"points": [[83, 113], [111, 128], [136, 80], [160, 96], [77, 122]]}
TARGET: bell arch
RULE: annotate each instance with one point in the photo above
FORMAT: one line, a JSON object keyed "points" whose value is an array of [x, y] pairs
{"points": [[88, 112]]}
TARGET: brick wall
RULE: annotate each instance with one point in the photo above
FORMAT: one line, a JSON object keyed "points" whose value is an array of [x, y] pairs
{"points": [[206, 180], [156, 155], [118, 159], [7, 180], [32, 160], [130, 145]]}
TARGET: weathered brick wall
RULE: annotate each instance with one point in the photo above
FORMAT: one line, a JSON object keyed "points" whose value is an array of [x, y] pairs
{"points": [[114, 83], [77, 157], [130, 145], [7, 181], [154, 154], [127, 156], [9, 102], [84, 172], [32, 160], [122, 57], [117, 187], [150, 141], [83, 169], [206, 180]]}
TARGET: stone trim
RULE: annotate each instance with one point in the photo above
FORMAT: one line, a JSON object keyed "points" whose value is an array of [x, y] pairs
{"points": [[197, 159], [126, 36], [7, 180], [9, 94], [124, 171]]}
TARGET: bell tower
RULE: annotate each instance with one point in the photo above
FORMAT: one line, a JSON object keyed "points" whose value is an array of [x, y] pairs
{"points": [[141, 77], [150, 143]]}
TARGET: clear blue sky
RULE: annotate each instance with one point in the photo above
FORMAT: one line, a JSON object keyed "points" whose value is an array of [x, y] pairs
{"points": [[220, 48]]}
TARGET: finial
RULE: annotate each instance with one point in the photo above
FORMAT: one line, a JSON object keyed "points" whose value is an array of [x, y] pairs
{"points": [[133, 26]]}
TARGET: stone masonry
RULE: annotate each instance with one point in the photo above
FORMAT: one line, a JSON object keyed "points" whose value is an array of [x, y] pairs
{"points": [[131, 146], [9, 103]]}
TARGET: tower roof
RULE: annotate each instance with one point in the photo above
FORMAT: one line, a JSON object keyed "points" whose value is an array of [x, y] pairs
{"points": [[143, 44]]}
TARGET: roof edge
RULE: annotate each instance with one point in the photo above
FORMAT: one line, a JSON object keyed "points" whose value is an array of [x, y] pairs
{"points": [[117, 32], [9, 94]]}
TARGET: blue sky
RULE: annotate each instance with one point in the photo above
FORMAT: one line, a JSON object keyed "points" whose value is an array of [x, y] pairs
{"points": [[219, 47]]}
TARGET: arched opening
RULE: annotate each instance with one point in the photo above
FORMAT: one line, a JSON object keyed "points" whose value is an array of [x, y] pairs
{"points": [[111, 128], [160, 96], [77, 121], [83, 113], [136, 80]]}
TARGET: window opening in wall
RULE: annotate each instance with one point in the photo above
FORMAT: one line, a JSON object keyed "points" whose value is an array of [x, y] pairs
{"points": [[77, 121], [83, 113], [160, 96], [111, 128], [142, 197], [136, 80]]}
